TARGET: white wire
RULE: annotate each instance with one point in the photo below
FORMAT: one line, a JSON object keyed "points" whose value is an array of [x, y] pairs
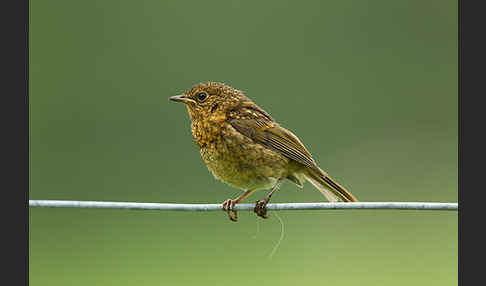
{"points": [[240, 207]]}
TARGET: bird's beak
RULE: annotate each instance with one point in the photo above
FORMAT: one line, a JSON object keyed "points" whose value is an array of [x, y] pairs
{"points": [[181, 98]]}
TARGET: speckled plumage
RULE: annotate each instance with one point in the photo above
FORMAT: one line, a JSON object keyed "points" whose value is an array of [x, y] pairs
{"points": [[237, 160], [244, 147]]}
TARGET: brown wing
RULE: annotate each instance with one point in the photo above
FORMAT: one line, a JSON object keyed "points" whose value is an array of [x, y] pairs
{"points": [[253, 122]]}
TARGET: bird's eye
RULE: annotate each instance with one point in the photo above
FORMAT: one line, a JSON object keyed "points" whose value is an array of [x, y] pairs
{"points": [[202, 96]]}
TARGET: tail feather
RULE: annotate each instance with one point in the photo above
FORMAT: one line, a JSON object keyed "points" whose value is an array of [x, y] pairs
{"points": [[328, 194], [329, 187]]}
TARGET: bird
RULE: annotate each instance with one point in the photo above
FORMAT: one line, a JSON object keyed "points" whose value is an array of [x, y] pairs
{"points": [[244, 147]]}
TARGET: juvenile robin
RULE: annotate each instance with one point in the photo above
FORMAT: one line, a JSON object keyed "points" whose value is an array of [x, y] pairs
{"points": [[244, 147]]}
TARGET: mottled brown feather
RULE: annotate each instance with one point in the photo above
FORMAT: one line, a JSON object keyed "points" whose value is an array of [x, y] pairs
{"points": [[251, 121]]}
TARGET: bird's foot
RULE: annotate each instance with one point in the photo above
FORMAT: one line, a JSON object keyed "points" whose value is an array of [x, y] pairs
{"points": [[261, 208], [228, 207]]}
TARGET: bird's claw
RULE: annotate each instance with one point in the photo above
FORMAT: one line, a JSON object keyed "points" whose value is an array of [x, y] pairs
{"points": [[261, 208], [228, 207]]}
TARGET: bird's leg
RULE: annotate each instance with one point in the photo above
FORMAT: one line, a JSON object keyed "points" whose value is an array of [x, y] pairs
{"points": [[261, 205], [229, 204]]}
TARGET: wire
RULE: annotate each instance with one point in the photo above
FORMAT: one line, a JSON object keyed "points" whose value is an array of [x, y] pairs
{"points": [[240, 207]]}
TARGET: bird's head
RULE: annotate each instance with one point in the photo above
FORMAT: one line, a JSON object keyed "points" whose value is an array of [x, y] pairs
{"points": [[210, 99]]}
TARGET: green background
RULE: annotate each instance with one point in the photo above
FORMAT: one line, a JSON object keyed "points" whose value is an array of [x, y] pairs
{"points": [[370, 87]]}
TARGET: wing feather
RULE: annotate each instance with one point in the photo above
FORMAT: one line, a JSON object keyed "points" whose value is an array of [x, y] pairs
{"points": [[259, 126]]}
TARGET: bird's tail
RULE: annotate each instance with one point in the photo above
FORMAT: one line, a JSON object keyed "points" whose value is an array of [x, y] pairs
{"points": [[328, 186]]}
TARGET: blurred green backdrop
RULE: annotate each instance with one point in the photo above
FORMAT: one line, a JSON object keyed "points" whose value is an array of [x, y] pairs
{"points": [[377, 79]]}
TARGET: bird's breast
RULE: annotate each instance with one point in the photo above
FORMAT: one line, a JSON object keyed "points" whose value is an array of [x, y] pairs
{"points": [[205, 132], [236, 159]]}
